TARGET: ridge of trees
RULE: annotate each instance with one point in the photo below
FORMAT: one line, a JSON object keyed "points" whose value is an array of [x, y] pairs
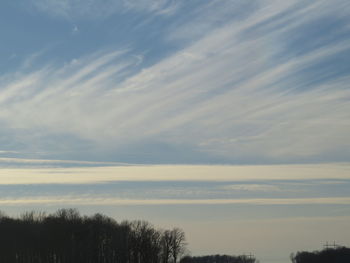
{"points": [[327, 255], [67, 237]]}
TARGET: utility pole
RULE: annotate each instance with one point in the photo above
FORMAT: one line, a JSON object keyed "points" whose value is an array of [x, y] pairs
{"points": [[330, 245], [249, 256]]}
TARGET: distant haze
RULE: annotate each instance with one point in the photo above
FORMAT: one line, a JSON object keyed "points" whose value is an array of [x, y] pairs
{"points": [[270, 211]]}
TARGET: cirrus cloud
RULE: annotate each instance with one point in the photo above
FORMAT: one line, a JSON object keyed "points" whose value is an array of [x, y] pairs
{"points": [[248, 91]]}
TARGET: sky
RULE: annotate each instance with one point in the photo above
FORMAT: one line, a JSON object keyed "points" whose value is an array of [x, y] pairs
{"points": [[228, 118]]}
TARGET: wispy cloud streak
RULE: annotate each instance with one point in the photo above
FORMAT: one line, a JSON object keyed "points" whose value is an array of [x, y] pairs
{"points": [[110, 201]]}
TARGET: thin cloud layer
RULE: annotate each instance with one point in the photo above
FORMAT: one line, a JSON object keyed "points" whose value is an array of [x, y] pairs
{"points": [[101, 201], [172, 173]]}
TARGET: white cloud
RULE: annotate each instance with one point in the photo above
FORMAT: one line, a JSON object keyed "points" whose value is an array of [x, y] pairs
{"points": [[73, 9], [6, 151]]}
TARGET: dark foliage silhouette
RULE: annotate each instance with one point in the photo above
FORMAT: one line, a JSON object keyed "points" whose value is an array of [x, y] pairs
{"points": [[329, 255], [218, 259], [68, 237]]}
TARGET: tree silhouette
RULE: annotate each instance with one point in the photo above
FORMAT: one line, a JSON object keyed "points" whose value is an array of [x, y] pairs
{"points": [[68, 237], [166, 241], [328, 255], [177, 244], [218, 259]]}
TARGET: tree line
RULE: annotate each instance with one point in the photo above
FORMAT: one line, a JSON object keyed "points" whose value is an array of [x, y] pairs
{"points": [[218, 259], [328, 255], [67, 237]]}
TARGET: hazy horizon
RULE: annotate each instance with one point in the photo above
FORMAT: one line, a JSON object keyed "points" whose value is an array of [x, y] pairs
{"points": [[268, 210]]}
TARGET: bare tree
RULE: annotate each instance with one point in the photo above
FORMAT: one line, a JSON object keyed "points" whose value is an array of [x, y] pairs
{"points": [[166, 246], [178, 243]]}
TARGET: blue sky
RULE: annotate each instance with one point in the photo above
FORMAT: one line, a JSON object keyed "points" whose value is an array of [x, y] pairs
{"points": [[234, 82], [229, 116]]}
